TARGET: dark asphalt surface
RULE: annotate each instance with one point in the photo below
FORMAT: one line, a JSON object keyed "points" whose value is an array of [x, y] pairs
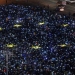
{"points": [[51, 3]]}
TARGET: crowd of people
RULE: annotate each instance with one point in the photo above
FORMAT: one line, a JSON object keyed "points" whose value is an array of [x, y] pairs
{"points": [[43, 41]]}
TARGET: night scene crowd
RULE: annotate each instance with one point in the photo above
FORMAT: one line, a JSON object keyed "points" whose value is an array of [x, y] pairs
{"points": [[38, 41]]}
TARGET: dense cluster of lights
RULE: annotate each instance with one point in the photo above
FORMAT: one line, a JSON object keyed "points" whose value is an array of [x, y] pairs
{"points": [[41, 41]]}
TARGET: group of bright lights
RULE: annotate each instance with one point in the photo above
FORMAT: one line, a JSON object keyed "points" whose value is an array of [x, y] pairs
{"points": [[10, 45], [38, 39]]}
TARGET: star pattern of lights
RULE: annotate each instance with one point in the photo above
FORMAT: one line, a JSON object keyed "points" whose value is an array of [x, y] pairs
{"points": [[39, 41]]}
